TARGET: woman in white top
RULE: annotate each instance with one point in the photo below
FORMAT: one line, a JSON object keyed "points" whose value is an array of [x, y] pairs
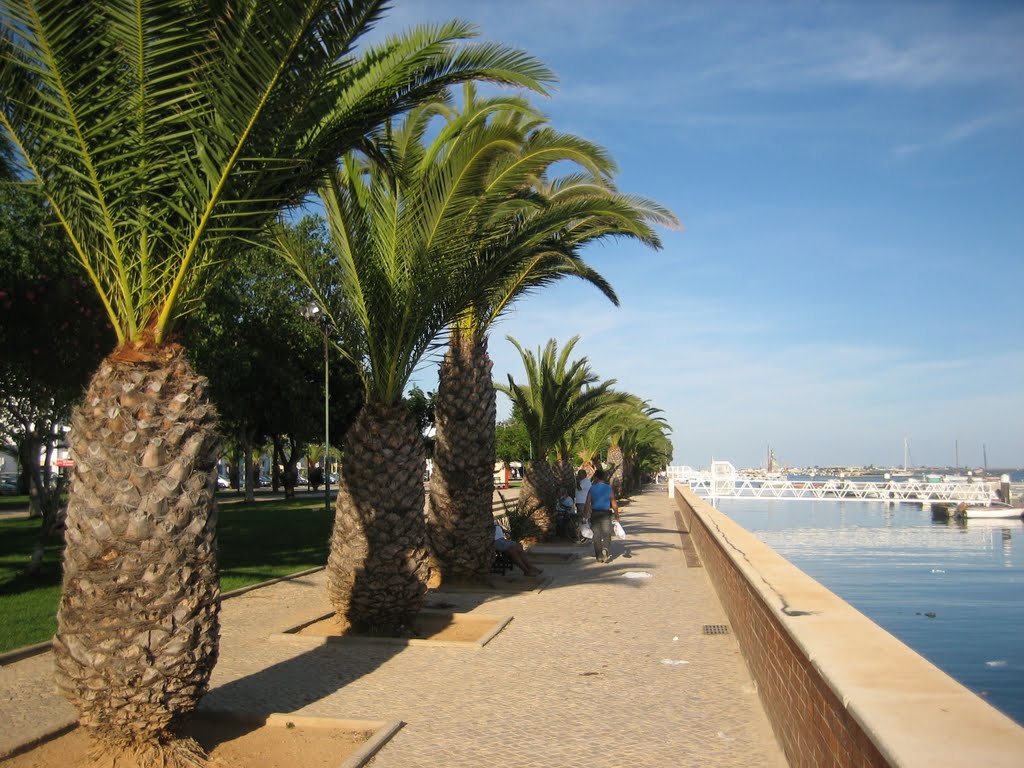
{"points": [[582, 489]]}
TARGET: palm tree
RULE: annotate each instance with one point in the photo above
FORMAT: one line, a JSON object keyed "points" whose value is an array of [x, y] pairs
{"points": [[645, 445], [649, 450], [560, 395], [537, 226], [588, 444], [406, 263], [636, 434], [163, 134]]}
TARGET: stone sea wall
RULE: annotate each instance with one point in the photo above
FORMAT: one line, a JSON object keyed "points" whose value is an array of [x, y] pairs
{"points": [[839, 690]]}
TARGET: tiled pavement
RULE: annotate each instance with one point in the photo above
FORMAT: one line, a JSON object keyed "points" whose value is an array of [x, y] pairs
{"points": [[596, 669]]}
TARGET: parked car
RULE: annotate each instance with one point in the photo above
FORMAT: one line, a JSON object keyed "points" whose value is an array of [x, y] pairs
{"points": [[264, 481], [223, 482], [8, 487]]}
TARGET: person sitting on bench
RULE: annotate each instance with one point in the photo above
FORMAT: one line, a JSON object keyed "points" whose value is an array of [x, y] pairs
{"points": [[515, 552]]}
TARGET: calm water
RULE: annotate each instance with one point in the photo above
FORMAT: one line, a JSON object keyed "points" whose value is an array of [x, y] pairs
{"points": [[895, 565]]}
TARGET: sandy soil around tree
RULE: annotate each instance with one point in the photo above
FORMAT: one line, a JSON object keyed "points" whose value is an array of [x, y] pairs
{"points": [[230, 744], [457, 627]]}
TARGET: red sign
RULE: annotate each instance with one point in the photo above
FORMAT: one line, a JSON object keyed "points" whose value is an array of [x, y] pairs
{"points": [[65, 462]]}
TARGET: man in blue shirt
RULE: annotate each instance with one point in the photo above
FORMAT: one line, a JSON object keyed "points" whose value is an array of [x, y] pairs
{"points": [[601, 507]]}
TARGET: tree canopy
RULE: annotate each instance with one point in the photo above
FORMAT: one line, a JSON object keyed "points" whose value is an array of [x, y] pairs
{"points": [[52, 334], [264, 358]]}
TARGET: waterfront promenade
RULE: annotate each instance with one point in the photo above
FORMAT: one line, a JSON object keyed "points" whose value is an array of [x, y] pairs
{"points": [[598, 667]]}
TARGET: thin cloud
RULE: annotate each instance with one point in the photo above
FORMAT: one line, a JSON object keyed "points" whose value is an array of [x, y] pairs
{"points": [[960, 132]]}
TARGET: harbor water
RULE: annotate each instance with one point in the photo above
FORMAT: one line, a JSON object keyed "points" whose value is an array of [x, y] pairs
{"points": [[954, 592]]}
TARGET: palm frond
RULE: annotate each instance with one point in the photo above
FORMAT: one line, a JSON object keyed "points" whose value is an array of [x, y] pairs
{"points": [[166, 132], [561, 396]]}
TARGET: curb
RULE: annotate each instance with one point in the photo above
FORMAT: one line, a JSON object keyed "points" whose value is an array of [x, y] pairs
{"points": [[251, 587], [9, 657], [365, 753]]}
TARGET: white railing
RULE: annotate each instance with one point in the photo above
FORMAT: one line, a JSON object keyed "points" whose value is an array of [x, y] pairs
{"points": [[712, 487]]}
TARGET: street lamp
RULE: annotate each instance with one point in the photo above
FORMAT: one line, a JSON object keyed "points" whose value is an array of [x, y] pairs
{"points": [[316, 314]]}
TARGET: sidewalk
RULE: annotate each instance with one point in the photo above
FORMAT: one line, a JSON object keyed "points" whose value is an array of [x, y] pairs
{"points": [[596, 669]]}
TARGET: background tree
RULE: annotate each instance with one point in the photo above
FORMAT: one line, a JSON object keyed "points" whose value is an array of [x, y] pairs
{"points": [[559, 395], [50, 341], [421, 405], [264, 359], [651, 451], [163, 135], [635, 435], [642, 442], [511, 442]]}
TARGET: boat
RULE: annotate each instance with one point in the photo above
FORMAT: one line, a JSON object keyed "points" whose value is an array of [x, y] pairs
{"points": [[991, 511], [772, 473]]}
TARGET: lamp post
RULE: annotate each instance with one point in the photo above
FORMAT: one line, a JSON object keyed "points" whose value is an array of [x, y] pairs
{"points": [[316, 314]]}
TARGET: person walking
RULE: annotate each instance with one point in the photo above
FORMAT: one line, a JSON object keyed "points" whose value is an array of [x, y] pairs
{"points": [[601, 507]]}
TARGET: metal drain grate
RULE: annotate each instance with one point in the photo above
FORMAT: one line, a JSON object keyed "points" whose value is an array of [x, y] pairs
{"points": [[716, 629]]}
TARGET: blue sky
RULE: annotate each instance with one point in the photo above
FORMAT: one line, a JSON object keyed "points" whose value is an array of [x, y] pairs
{"points": [[850, 176]]}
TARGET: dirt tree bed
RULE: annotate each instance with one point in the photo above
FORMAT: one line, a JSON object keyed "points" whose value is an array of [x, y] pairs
{"points": [[428, 626], [231, 743]]}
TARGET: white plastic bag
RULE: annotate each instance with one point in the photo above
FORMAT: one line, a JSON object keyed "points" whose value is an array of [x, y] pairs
{"points": [[585, 530], [618, 531]]}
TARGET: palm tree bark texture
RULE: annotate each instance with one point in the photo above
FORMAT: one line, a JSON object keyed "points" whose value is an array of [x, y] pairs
{"points": [[460, 524], [377, 568], [616, 460], [538, 496], [138, 621]]}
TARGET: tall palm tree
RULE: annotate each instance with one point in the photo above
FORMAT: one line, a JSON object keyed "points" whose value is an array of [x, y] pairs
{"points": [[406, 263], [164, 133], [650, 449], [559, 395], [644, 441], [539, 226], [635, 431]]}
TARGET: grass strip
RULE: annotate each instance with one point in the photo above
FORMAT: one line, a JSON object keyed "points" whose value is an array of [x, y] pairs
{"points": [[257, 541]]}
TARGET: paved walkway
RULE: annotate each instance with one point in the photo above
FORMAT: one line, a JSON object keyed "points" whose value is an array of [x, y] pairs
{"points": [[595, 669]]}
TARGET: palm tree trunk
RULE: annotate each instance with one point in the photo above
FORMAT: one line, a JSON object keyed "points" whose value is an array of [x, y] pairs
{"points": [[565, 477], [377, 568], [460, 525], [539, 496], [138, 620], [616, 461]]}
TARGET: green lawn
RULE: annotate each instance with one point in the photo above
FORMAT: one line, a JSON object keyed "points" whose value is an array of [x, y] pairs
{"points": [[13, 503], [258, 541]]}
